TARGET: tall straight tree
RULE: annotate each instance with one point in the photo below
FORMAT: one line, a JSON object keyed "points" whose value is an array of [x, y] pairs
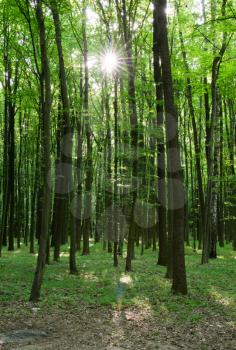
{"points": [[173, 152], [45, 102], [87, 224], [67, 130], [124, 15], [210, 206], [162, 257], [192, 113], [11, 84], [63, 168]]}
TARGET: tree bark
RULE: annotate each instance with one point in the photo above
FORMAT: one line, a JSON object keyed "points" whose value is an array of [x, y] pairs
{"points": [[179, 284], [46, 160], [162, 228], [66, 155]]}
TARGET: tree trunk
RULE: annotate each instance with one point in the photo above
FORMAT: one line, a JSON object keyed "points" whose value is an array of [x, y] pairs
{"points": [[195, 134], [174, 164], [210, 209], [162, 228], [133, 124], [66, 155], [46, 161], [87, 225]]}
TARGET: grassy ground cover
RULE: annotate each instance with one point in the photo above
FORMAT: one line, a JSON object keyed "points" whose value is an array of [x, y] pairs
{"points": [[211, 286]]}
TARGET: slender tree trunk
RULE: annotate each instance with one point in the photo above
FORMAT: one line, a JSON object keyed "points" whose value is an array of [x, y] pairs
{"points": [[34, 197], [162, 228], [195, 134], [46, 161], [174, 164], [133, 124], [213, 124], [66, 155], [87, 224]]}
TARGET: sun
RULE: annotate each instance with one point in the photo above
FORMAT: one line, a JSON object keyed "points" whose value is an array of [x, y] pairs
{"points": [[110, 62]]}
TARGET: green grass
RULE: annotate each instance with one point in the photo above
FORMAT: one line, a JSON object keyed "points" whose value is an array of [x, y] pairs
{"points": [[212, 287]]}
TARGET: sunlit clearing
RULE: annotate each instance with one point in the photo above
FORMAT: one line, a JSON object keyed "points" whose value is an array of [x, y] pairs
{"points": [[221, 299], [64, 254], [126, 279], [138, 315], [90, 277], [109, 62]]}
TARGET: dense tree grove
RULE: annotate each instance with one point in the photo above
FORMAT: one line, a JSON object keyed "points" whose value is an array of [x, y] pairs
{"points": [[118, 126]]}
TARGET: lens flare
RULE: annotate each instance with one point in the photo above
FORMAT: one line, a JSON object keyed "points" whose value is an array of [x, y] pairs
{"points": [[110, 62]]}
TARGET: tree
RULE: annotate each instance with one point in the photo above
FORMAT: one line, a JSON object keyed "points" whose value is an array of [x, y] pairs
{"points": [[66, 156], [174, 164], [45, 102]]}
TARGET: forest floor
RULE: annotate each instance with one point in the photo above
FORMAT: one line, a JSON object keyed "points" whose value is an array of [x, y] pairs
{"points": [[102, 308]]}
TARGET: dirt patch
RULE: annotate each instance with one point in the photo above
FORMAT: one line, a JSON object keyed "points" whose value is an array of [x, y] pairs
{"points": [[103, 328]]}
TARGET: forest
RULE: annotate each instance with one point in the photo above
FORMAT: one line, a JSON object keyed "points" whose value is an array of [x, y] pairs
{"points": [[117, 174]]}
